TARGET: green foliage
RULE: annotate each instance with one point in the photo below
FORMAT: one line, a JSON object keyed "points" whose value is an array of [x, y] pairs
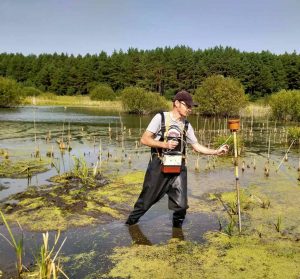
{"points": [[293, 133], [48, 96], [220, 96], [10, 92], [138, 100], [102, 92], [285, 105], [31, 91], [82, 172]]}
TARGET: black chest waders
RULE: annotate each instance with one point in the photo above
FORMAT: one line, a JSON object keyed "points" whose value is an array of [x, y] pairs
{"points": [[157, 184]]}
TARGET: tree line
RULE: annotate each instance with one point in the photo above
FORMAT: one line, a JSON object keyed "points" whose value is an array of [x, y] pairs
{"points": [[164, 70]]}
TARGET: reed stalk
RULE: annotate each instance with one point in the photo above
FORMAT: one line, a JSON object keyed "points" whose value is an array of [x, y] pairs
{"points": [[49, 266]]}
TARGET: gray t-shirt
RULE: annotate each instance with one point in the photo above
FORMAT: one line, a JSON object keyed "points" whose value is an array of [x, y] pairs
{"points": [[175, 128]]}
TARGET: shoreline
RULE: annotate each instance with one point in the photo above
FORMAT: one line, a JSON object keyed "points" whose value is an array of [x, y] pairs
{"points": [[252, 109]]}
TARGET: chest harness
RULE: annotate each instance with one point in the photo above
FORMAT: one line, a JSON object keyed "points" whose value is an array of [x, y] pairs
{"points": [[171, 159]]}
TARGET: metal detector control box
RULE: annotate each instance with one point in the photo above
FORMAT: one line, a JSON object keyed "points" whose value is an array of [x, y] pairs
{"points": [[171, 162]]}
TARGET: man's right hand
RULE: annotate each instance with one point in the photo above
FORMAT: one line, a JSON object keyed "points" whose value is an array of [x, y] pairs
{"points": [[171, 144]]}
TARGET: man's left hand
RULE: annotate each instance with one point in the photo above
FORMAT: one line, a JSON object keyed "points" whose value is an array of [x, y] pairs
{"points": [[223, 149]]}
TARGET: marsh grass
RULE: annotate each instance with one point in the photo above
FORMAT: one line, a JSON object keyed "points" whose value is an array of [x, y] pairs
{"points": [[49, 99], [81, 171], [278, 224], [230, 227], [16, 244], [56, 165], [256, 110]]}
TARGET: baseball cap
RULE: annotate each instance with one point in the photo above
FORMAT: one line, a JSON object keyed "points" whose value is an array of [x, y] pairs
{"points": [[186, 97]]}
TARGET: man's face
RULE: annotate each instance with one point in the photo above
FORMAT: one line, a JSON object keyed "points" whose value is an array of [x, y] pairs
{"points": [[183, 108]]}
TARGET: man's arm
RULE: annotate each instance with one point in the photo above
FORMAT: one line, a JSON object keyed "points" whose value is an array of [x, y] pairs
{"points": [[207, 151], [148, 139]]}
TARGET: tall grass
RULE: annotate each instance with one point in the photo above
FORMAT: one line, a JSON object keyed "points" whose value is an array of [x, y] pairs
{"points": [[49, 99], [256, 110]]}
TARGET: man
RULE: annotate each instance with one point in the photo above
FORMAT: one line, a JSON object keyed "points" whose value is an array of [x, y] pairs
{"points": [[167, 135]]}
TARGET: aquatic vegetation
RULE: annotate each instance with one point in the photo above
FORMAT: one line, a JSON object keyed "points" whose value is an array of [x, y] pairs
{"points": [[239, 256], [221, 139], [78, 262], [81, 171], [69, 203], [16, 244], [229, 201], [293, 133], [4, 153], [278, 224], [48, 262], [23, 168]]}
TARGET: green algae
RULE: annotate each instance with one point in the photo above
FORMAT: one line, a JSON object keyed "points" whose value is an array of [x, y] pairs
{"points": [[23, 168], [268, 246], [80, 261], [220, 257], [66, 205]]}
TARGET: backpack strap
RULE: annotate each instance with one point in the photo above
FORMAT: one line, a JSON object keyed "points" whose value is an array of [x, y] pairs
{"points": [[163, 132], [163, 126], [186, 126]]}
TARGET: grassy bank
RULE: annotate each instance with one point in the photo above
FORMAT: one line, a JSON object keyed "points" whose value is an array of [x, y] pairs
{"points": [[48, 99], [256, 110], [79, 100]]}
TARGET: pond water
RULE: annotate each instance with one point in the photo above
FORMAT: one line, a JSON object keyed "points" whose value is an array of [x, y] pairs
{"points": [[23, 129]]}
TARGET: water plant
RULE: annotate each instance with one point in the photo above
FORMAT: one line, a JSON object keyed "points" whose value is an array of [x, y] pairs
{"points": [[278, 224], [48, 263], [23, 168], [229, 228], [293, 133], [4, 153], [56, 165], [81, 171], [16, 244], [263, 202]]}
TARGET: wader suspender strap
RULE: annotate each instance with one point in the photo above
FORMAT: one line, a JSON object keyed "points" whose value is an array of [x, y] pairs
{"points": [[163, 131], [186, 126]]}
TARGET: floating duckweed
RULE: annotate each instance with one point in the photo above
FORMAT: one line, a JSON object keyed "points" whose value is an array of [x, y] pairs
{"points": [[241, 257], [23, 168], [73, 204]]}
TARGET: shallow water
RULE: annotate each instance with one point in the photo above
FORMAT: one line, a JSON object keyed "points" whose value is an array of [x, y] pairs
{"points": [[22, 129]]}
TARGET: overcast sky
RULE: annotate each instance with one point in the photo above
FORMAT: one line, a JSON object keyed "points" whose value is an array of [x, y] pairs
{"points": [[90, 26]]}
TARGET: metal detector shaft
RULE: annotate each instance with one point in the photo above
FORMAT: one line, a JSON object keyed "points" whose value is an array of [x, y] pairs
{"points": [[237, 185]]}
